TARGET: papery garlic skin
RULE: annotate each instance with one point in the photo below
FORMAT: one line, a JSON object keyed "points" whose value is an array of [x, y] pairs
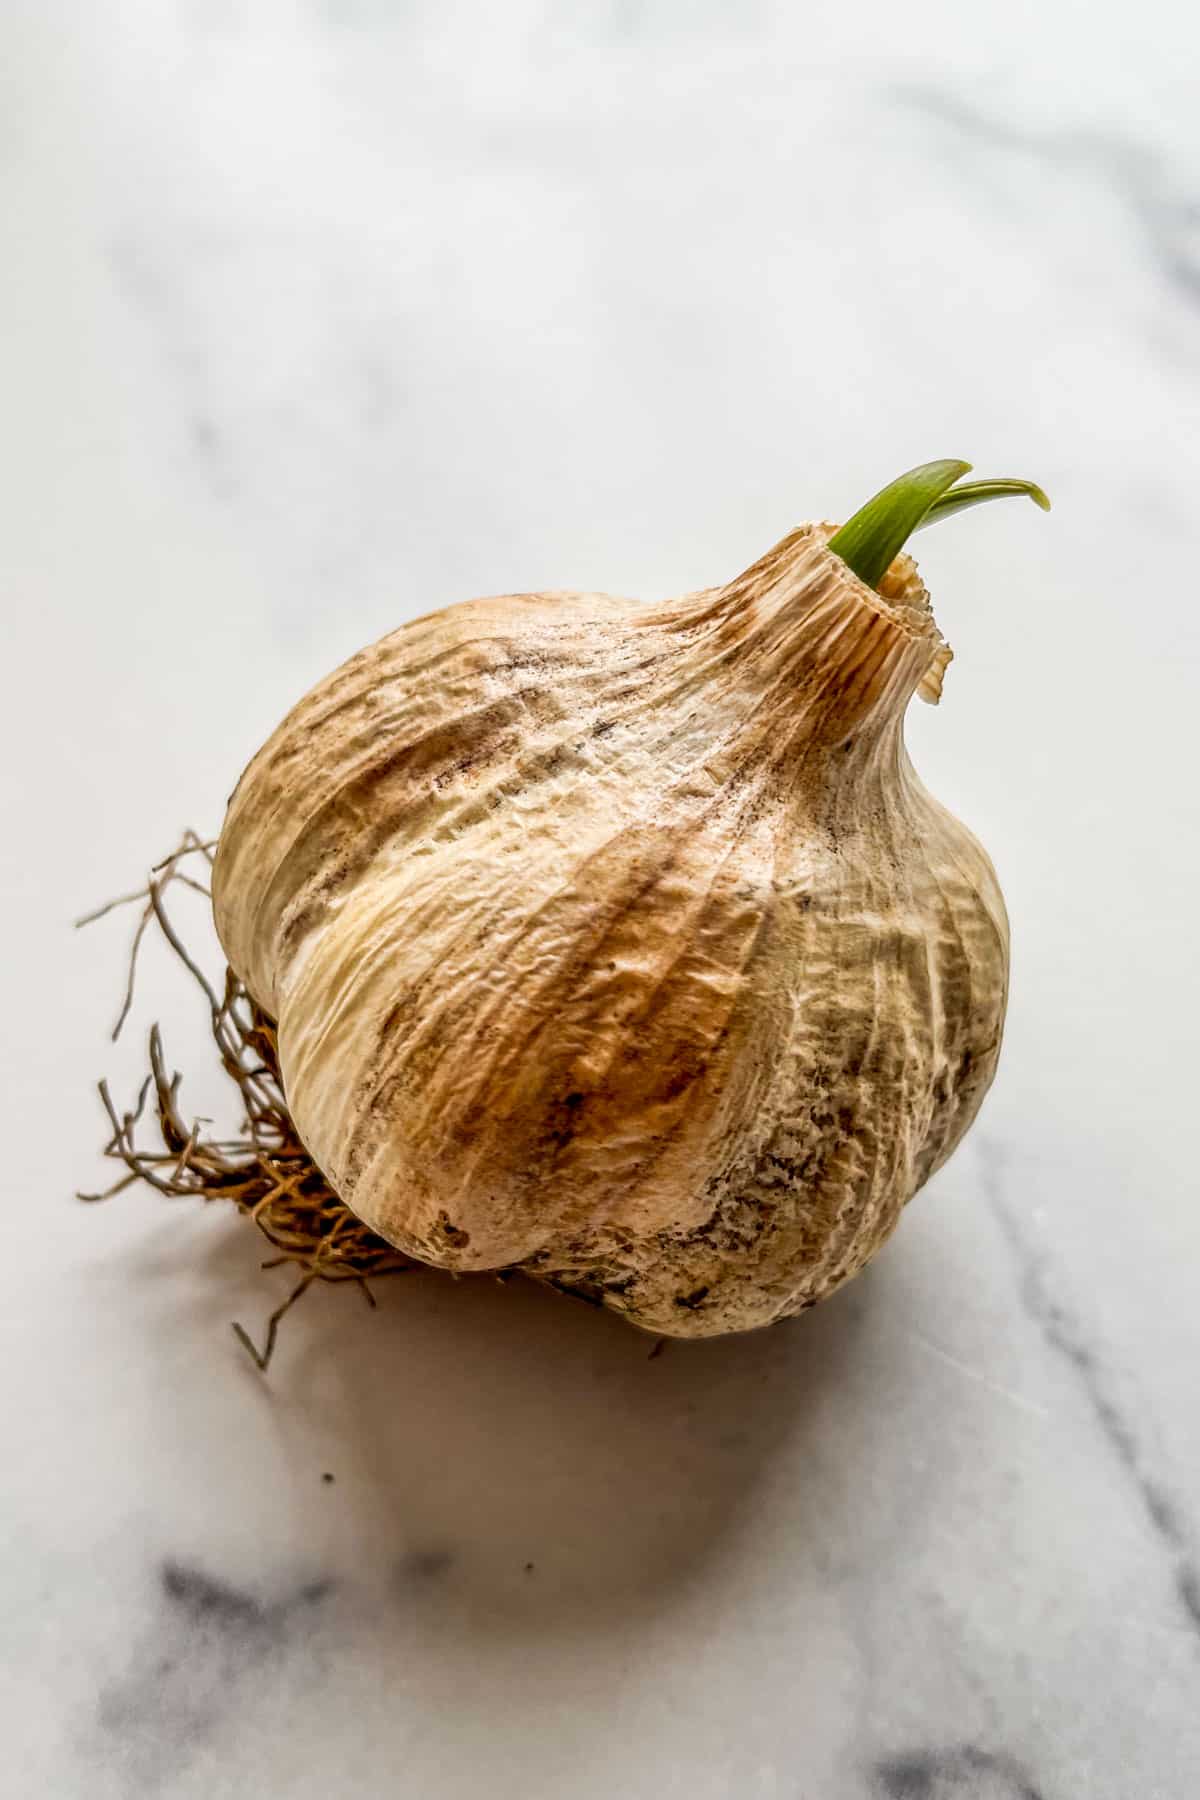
{"points": [[621, 943]]}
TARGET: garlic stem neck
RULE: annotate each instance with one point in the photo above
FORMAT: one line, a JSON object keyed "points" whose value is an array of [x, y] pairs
{"points": [[878, 531]]}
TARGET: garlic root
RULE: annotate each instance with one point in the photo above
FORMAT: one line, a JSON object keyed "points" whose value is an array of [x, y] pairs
{"points": [[261, 1167]]}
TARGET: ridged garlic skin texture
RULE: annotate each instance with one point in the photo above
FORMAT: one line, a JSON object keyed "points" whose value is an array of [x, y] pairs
{"points": [[620, 942]]}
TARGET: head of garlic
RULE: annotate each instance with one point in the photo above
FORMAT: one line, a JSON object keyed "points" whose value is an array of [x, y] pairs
{"points": [[620, 943]]}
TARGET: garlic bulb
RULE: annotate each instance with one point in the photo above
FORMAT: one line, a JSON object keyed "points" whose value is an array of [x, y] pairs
{"points": [[620, 943]]}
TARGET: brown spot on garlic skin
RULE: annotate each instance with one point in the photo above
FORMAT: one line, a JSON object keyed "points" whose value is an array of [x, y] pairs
{"points": [[622, 943], [452, 1234]]}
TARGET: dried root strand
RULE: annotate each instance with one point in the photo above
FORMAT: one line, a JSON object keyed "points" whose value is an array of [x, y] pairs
{"points": [[264, 1169]]}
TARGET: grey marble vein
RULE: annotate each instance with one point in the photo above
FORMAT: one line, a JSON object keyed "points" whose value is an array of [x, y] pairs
{"points": [[960, 1772], [1137, 173], [1066, 1336], [198, 1663]]}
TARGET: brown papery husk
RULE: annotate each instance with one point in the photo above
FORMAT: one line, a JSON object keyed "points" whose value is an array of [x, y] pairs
{"points": [[263, 1169]]}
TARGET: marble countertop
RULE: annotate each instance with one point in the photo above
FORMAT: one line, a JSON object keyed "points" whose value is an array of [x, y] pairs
{"points": [[319, 315]]}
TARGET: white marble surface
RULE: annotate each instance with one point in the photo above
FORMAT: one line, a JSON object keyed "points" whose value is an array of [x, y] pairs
{"points": [[317, 315]]}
